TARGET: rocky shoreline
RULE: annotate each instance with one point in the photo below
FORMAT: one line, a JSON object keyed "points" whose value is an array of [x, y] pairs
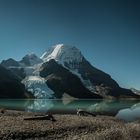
{"points": [[67, 127]]}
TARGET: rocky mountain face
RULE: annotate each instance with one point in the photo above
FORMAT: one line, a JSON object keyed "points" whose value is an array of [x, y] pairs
{"points": [[61, 81], [10, 63], [10, 85], [135, 91], [64, 70], [30, 60], [24, 67]]}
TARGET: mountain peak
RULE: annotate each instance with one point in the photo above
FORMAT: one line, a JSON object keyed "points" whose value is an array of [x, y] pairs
{"points": [[30, 55], [30, 59], [63, 53], [9, 62]]}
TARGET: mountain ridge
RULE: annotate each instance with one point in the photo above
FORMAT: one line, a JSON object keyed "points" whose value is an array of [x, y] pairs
{"points": [[61, 66]]}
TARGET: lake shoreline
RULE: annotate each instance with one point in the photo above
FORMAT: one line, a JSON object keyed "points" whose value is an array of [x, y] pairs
{"points": [[69, 127]]}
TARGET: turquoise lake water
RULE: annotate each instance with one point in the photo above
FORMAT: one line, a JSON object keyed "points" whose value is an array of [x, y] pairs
{"points": [[128, 110]]}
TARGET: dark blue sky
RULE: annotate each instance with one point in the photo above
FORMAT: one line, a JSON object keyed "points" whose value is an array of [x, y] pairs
{"points": [[106, 31]]}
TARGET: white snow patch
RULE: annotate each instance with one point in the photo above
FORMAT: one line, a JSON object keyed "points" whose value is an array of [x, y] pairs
{"points": [[86, 83], [63, 53]]}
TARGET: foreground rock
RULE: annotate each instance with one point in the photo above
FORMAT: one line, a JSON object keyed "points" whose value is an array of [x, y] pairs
{"points": [[69, 127]]}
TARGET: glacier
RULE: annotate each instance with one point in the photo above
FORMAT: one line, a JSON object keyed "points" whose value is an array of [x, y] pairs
{"points": [[37, 85]]}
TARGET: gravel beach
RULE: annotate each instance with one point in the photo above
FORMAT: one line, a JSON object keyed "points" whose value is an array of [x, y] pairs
{"points": [[67, 127]]}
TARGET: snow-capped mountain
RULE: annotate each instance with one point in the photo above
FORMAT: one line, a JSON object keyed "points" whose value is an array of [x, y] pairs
{"points": [[72, 59], [63, 69]]}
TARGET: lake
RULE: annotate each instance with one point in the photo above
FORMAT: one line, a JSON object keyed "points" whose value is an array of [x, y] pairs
{"points": [[128, 110]]}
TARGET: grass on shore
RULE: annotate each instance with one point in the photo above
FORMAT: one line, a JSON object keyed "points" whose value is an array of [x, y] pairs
{"points": [[67, 127]]}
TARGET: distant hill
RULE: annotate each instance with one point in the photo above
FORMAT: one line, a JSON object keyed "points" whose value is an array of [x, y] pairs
{"points": [[135, 91]]}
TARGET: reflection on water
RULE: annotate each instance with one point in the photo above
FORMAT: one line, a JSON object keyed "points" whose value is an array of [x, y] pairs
{"points": [[39, 105], [130, 114], [128, 110]]}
